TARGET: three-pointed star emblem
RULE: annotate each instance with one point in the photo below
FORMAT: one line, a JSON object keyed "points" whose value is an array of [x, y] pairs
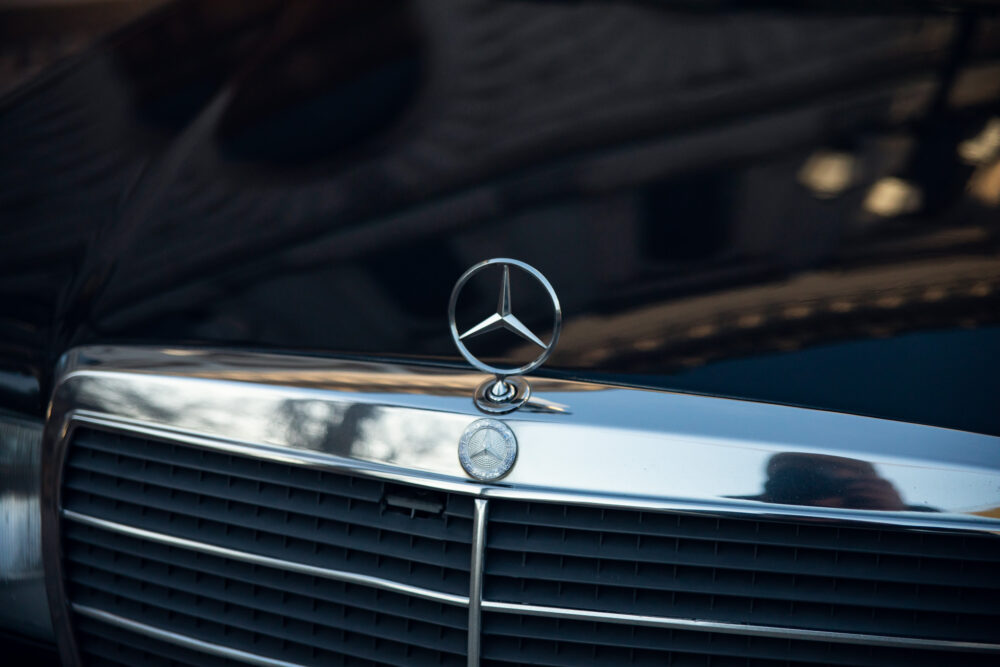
{"points": [[503, 318], [486, 443]]}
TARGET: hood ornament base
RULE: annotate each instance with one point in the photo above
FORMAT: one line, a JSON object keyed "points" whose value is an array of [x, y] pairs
{"points": [[516, 392]]}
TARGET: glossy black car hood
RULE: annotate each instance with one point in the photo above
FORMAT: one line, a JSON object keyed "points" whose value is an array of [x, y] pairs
{"points": [[786, 206]]}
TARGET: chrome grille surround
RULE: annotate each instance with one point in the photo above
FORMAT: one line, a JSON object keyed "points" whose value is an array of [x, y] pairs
{"points": [[181, 396]]}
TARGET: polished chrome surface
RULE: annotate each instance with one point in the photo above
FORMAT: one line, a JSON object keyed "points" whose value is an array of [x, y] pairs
{"points": [[503, 318], [604, 445], [593, 444], [265, 561], [179, 640], [487, 449], [516, 392], [738, 628], [23, 603], [476, 580]]}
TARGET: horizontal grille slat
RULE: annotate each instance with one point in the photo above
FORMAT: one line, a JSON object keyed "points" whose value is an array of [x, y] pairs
{"points": [[765, 583], [329, 531], [293, 642], [310, 552], [233, 487], [260, 470], [748, 609], [430, 563], [510, 639], [415, 542], [277, 598], [297, 526], [112, 654], [178, 559], [583, 558], [109, 645], [838, 538], [253, 608], [256, 631], [800, 560]]}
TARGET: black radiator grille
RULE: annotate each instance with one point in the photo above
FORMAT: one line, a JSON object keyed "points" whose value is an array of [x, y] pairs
{"points": [[811, 576], [104, 644], [880, 582], [511, 639], [321, 519], [281, 511]]}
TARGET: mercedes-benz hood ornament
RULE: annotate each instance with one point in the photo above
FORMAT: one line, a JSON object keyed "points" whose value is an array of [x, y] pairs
{"points": [[508, 390]]}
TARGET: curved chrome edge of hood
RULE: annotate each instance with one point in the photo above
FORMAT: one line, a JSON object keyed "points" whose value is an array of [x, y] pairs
{"points": [[578, 442]]}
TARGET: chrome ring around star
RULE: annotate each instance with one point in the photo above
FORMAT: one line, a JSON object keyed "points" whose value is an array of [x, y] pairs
{"points": [[487, 449]]}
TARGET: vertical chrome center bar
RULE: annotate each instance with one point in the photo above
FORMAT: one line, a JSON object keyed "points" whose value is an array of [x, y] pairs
{"points": [[476, 579]]}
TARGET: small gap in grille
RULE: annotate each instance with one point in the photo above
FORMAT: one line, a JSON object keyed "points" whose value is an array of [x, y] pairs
{"points": [[413, 502]]}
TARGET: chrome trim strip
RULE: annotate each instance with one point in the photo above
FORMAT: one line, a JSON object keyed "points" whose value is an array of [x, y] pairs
{"points": [[177, 639], [476, 579], [776, 632], [755, 511], [404, 420], [266, 561], [318, 460]]}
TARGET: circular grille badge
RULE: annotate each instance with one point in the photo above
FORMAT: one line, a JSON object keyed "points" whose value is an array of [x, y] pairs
{"points": [[487, 449]]}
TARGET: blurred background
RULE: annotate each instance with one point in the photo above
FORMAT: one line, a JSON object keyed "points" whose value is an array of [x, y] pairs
{"points": [[795, 202]]}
